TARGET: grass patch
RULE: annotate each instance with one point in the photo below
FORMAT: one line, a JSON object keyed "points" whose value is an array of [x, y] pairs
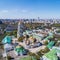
{"points": [[56, 25]]}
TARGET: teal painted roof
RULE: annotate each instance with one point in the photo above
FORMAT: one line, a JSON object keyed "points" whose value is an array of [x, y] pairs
{"points": [[7, 39], [50, 44]]}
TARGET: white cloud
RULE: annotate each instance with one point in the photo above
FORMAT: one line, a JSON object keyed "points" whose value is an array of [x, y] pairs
{"points": [[24, 11], [4, 11]]}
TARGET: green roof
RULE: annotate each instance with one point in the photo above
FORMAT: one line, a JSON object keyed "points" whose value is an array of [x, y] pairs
{"points": [[51, 55], [7, 39], [19, 49], [50, 44], [47, 38]]}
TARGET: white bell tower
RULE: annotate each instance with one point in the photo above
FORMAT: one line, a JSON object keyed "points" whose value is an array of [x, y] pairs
{"points": [[20, 29]]}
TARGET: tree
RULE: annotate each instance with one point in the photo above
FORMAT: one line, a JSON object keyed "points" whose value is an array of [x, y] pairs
{"points": [[43, 51], [9, 33], [34, 55], [15, 33], [21, 38], [10, 58], [57, 44], [46, 42]]}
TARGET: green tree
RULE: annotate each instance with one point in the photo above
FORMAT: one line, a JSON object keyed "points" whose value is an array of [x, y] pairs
{"points": [[43, 51], [34, 55], [9, 33], [15, 33], [21, 38], [46, 42]]}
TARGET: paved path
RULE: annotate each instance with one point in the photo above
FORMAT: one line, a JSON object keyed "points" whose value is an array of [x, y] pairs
{"points": [[37, 49], [18, 58], [12, 54], [1, 52], [33, 50]]}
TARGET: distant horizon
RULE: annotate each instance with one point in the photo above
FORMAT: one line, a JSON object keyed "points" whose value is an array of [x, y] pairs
{"points": [[16, 9], [29, 18]]}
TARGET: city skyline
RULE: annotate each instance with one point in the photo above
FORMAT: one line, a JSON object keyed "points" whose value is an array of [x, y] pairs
{"points": [[29, 8]]}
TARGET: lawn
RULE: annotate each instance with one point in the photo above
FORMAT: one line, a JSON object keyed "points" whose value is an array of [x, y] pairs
{"points": [[28, 58]]}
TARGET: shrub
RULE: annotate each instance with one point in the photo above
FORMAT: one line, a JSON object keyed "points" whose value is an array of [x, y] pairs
{"points": [[43, 51], [9, 33], [46, 42], [34, 55], [57, 44], [15, 33], [40, 53], [58, 31], [2, 47], [37, 57], [21, 38], [8, 57], [46, 50], [31, 54]]}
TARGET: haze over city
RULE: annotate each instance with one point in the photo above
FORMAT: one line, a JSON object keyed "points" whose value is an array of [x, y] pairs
{"points": [[29, 8]]}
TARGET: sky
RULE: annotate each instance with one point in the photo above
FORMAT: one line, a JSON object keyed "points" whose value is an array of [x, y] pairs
{"points": [[29, 9]]}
